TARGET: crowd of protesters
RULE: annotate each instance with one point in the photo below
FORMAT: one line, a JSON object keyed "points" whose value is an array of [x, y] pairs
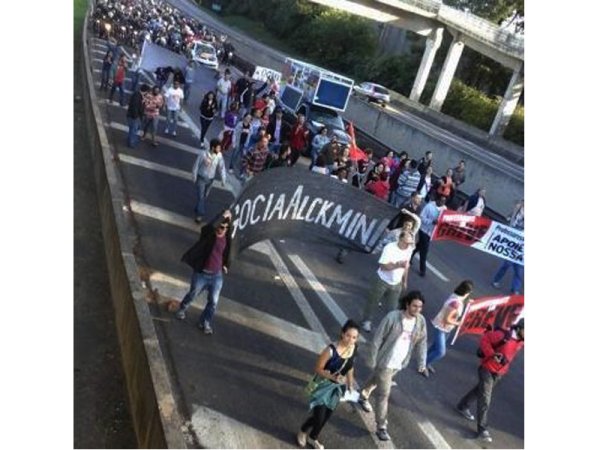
{"points": [[254, 138]]}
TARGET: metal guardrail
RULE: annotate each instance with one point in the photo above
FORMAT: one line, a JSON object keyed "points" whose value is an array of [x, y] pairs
{"points": [[468, 23], [432, 6], [482, 29]]}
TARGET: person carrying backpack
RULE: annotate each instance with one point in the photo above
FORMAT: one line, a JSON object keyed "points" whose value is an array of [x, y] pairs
{"points": [[497, 350]]}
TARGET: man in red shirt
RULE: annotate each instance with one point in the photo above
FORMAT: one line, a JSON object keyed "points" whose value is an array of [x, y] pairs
{"points": [[118, 80], [298, 138], [209, 258], [499, 348]]}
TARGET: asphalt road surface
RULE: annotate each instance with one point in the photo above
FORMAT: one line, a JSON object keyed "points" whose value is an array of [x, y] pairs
{"points": [[281, 304]]}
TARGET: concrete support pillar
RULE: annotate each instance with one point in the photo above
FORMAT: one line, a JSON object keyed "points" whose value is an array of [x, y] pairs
{"points": [[450, 64], [508, 104], [431, 46]]}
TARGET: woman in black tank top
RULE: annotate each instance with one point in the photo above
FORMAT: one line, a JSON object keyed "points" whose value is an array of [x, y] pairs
{"points": [[334, 373]]}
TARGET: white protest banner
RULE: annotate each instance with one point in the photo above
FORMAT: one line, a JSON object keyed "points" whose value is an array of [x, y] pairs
{"points": [[263, 74], [481, 233]]}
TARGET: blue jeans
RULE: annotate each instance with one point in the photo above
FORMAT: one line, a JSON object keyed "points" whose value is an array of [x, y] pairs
{"points": [[104, 78], [202, 188], [135, 79], [222, 104], [171, 121], [437, 350], [134, 128], [186, 91], [236, 155], [201, 281], [517, 280], [121, 92]]}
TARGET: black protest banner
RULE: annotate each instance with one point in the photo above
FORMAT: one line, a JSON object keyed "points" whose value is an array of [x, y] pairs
{"points": [[294, 202]]}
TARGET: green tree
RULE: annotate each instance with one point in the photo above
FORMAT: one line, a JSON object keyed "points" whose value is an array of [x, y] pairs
{"points": [[337, 40]]}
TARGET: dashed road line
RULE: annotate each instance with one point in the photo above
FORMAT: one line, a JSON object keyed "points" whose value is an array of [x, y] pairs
{"points": [[337, 312], [267, 248], [436, 272], [247, 316]]}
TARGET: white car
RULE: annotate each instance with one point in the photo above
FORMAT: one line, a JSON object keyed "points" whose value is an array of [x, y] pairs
{"points": [[373, 92], [205, 54]]}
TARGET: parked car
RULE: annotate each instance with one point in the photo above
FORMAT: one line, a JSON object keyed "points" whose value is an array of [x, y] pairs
{"points": [[373, 93], [205, 54]]}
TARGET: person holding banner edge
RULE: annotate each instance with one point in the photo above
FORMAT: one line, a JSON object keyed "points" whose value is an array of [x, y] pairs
{"points": [[429, 216], [446, 320], [516, 220], [498, 349]]}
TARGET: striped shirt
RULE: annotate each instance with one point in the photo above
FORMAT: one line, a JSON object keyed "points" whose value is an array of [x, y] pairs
{"points": [[256, 160], [408, 183]]}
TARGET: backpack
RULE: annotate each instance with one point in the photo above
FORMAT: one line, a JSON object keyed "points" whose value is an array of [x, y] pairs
{"points": [[507, 334]]}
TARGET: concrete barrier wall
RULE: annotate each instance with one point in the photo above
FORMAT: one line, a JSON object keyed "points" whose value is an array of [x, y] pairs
{"points": [[155, 417]]}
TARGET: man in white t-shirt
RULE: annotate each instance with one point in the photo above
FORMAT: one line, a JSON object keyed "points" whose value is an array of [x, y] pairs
{"points": [[173, 97], [392, 276], [223, 91], [399, 333]]}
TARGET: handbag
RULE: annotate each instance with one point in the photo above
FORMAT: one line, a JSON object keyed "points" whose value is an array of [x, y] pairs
{"points": [[317, 381]]}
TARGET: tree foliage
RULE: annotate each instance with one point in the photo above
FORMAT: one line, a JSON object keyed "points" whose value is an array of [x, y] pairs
{"points": [[337, 40], [493, 10]]}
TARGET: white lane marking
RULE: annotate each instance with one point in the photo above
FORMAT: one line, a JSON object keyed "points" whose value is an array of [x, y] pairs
{"points": [[156, 167], [125, 90], [103, 52], [436, 272], [161, 139], [216, 430], [217, 184], [434, 436], [247, 316], [316, 285], [266, 247], [105, 101], [163, 215]]}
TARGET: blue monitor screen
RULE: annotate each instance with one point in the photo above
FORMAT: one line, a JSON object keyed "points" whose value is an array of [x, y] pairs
{"points": [[331, 94]]}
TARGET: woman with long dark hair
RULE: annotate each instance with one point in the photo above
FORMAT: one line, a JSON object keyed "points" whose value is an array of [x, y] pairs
{"points": [[334, 374], [208, 110], [446, 320]]}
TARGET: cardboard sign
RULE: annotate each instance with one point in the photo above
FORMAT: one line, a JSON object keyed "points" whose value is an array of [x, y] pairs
{"points": [[263, 74]]}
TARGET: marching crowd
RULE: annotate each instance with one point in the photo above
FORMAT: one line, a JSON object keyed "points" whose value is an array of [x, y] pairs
{"points": [[256, 138]]}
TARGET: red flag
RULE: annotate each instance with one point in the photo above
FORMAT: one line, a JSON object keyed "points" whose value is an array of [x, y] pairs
{"points": [[356, 153]]}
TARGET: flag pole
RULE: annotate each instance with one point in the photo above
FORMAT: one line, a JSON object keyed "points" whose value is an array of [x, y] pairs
{"points": [[462, 319]]}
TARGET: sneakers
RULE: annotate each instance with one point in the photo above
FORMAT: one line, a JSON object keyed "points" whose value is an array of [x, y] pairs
{"points": [[466, 413], [174, 133], [365, 404], [314, 443], [366, 326], [230, 171], [301, 438], [424, 373], [430, 369], [180, 314], [496, 284], [485, 436], [207, 328], [382, 434], [198, 219]]}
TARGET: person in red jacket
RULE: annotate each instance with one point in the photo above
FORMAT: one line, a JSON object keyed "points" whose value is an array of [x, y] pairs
{"points": [[499, 348], [298, 138], [379, 188]]}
